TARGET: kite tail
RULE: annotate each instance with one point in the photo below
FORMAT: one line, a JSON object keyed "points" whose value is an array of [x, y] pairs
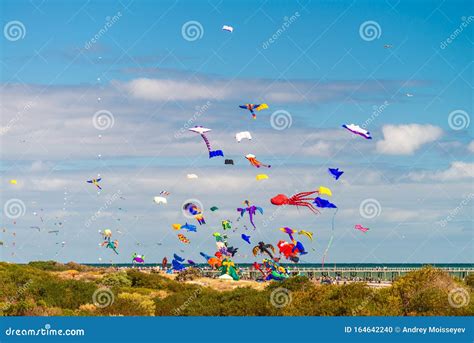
{"points": [[215, 153], [330, 240], [263, 165]]}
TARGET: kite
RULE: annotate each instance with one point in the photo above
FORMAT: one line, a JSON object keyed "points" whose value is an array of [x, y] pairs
{"points": [[191, 262], [261, 177], [202, 130], [195, 211], [13, 182], [356, 129], [183, 238], [306, 233], [226, 225], [335, 172], [110, 244], [252, 210], [289, 231], [288, 250], [409, 95], [160, 200], [140, 259], [263, 248], [214, 208], [361, 228], [322, 203], [252, 107], [165, 193], [246, 238], [299, 199], [241, 135], [164, 262], [229, 162], [192, 176], [324, 190], [253, 161], [188, 227], [228, 28], [35, 227], [388, 46], [95, 182], [178, 258], [177, 264]]}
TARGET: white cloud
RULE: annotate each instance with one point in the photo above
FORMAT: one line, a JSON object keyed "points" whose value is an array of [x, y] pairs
{"points": [[406, 139], [457, 171]]}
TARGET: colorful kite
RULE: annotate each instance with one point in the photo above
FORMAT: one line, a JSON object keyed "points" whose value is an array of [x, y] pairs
{"points": [[188, 227], [299, 199], [322, 203], [252, 107], [95, 182], [194, 211], [140, 259], [201, 131], [306, 233], [183, 238], [246, 238], [241, 135], [361, 228], [263, 248], [356, 129], [252, 210], [226, 225], [253, 161], [108, 243], [335, 172]]}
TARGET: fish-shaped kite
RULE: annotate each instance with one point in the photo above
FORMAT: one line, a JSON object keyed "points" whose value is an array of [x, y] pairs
{"points": [[356, 129], [202, 131], [256, 163], [183, 238], [335, 172], [361, 228], [188, 227], [246, 238], [322, 203]]}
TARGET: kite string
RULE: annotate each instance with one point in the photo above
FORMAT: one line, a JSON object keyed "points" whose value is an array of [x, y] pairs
{"points": [[207, 142], [330, 240]]}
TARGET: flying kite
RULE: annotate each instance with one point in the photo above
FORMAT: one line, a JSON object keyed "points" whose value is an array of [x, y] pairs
{"points": [[252, 210], [164, 193], [226, 225], [361, 228], [228, 28], [202, 131], [299, 199], [183, 238], [252, 107], [246, 238], [95, 182], [192, 176], [229, 162], [195, 211], [261, 177], [253, 161], [140, 259], [164, 262], [322, 203], [289, 250], [241, 135], [110, 244], [160, 200], [263, 248], [14, 182], [335, 172], [356, 129], [214, 208], [306, 233], [289, 231], [188, 227]]}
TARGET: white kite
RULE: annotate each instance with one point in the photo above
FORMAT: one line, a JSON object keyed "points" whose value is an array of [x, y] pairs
{"points": [[241, 135], [160, 200], [228, 28]]}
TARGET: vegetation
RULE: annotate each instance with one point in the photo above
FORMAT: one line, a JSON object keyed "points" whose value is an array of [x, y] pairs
{"points": [[50, 288]]}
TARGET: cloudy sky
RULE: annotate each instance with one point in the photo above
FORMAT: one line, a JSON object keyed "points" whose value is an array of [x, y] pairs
{"points": [[109, 88]]}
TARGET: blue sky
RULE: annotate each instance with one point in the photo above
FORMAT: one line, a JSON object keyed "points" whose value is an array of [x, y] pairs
{"points": [[320, 68]]}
